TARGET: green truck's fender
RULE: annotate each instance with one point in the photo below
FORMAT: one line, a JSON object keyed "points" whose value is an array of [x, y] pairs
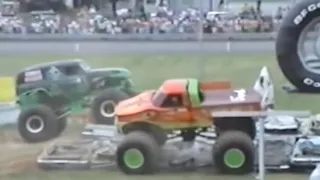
{"points": [[32, 98]]}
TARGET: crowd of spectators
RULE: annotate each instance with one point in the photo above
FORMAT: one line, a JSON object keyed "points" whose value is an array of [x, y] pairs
{"points": [[88, 20]]}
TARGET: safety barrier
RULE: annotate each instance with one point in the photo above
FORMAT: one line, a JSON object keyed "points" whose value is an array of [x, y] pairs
{"points": [[140, 37], [237, 36]]}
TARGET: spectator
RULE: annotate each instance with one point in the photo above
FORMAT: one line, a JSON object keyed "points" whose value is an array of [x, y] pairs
{"points": [[279, 14], [258, 6], [92, 9], [245, 8], [73, 28], [163, 20]]}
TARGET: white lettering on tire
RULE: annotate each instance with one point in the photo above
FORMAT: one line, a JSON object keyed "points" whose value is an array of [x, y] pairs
{"points": [[304, 12], [308, 81], [311, 82]]}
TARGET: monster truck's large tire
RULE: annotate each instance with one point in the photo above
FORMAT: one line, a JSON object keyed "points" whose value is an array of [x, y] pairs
{"points": [[156, 132], [293, 27], [247, 125], [63, 122], [138, 153], [103, 105], [233, 153], [38, 124]]}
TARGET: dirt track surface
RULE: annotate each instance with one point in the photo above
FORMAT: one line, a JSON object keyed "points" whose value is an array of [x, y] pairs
{"points": [[17, 156]]}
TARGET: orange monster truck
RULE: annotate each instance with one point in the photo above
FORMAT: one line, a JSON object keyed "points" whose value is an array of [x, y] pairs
{"points": [[191, 107]]}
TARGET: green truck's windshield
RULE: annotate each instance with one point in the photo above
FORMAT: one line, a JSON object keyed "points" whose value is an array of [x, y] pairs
{"points": [[85, 66]]}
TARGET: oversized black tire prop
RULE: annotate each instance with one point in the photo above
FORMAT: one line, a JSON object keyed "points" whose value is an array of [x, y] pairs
{"points": [[295, 64], [38, 124], [103, 105], [138, 153], [233, 153]]}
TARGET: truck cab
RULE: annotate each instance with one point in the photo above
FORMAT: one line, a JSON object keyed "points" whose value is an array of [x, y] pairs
{"points": [[189, 103], [192, 93]]}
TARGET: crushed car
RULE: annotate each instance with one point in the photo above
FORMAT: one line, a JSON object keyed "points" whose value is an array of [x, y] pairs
{"points": [[47, 92]]}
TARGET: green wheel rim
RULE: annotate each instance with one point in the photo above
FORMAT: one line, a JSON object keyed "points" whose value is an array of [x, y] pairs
{"points": [[234, 158], [133, 158]]}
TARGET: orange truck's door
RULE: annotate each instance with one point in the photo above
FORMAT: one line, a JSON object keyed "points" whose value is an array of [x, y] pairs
{"points": [[182, 113], [175, 110], [176, 115]]}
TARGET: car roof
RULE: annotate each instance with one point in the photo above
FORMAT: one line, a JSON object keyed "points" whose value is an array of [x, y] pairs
{"points": [[54, 63], [174, 86]]}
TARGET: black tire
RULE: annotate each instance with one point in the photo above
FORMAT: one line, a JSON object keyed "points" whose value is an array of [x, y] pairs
{"points": [[42, 114], [111, 95], [247, 125], [286, 46], [156, 132], [235, 140], [63, 122], [144, 143], [160, 136]]}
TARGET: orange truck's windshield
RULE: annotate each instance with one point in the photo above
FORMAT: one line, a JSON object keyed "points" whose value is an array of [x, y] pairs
{"points": [[158, 97], [193, 91]]}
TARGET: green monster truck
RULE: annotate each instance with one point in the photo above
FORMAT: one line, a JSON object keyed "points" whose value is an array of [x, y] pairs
{"points": [[47, 92]]}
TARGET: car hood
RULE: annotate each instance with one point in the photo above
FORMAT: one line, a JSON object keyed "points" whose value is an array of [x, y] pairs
{"points": [[135, 104]]}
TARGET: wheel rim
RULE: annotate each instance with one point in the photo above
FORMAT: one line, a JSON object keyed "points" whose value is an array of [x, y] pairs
{"points": [[34, 124], [107, 109], [133, 158], [234, 158], [309, 46]]}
